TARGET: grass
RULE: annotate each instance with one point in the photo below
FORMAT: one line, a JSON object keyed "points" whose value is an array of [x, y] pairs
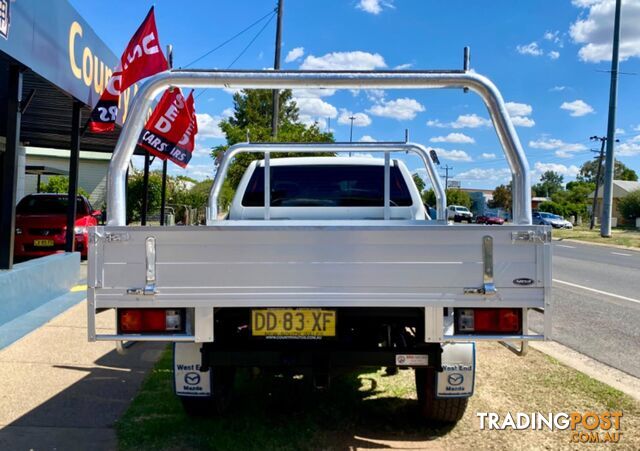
{"points": [[620, 236], [368, 409]]}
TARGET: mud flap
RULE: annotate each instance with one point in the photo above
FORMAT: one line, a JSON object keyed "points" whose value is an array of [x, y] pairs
{"points": [[188, 380], [459, 369]]}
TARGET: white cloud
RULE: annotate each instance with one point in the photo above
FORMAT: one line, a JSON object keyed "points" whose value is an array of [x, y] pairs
{"points": [[636, 128], [294, 54], [313, 92], [518, 109], [209, 126], [477, 174], [558, 88], [488, 156], [553, 54], [368, 139], [561, 148], [403, 66], [567, 171], [463, 121], [374, 6], [521, 121], [628, 149], [356, 60], [577, 108], [400, 109], [360, 119], [595, 28], [459, 138], [315, 107], [532, 49], [519, 112], [553, 36], [453, 155], [620, 131]]}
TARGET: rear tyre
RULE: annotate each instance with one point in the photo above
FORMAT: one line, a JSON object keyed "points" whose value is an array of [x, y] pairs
{"points": [[222, 379], [445, 410]]}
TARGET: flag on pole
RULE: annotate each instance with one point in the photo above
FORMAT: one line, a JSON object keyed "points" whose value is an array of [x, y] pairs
{"points": [[169, 132], [142, 58]]}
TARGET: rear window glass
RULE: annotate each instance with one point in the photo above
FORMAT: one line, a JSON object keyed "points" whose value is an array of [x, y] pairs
{"points": [[39, 205], [327, 186]]}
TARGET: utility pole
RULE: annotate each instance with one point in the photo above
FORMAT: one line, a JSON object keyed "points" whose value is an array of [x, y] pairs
{"points": [[163, 195], [607, 196], [351, 118], [602, 140], [276, 66], [447, 168]]}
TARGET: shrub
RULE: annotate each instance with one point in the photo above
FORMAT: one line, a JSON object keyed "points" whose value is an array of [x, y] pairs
{"points": [[552, 207], [629, 205]]}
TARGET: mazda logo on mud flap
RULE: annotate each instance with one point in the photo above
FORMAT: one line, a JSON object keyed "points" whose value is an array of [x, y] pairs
{"points": [[455, 379], [523, 281], [192, 378]]}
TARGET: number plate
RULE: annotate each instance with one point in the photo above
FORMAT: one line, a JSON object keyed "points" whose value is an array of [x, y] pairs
{"points": [[293, 323], [43, 243]]}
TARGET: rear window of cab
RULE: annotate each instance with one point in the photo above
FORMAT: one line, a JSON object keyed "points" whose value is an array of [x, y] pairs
{"points": [[327, 186]]}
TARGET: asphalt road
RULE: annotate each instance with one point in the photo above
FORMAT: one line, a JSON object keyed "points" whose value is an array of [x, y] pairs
{"points": [[596, 303]]}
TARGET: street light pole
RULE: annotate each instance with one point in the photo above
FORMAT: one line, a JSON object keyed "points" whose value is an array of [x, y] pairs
{"points": [[607, 196], [603, 140]]}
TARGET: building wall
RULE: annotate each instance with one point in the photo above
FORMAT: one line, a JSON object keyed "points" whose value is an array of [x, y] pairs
{"points": [[92, 175]]}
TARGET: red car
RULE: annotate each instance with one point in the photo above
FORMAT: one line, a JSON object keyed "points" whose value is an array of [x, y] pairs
{"points": [[41, 224], [489, 220]]}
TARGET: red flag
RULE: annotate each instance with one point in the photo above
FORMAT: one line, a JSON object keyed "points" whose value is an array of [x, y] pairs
{"points": [[187, 143], [166, 127], [142, 58]]}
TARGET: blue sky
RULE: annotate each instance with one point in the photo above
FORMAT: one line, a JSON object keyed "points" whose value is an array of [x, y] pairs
{"points": [[549, 58]]}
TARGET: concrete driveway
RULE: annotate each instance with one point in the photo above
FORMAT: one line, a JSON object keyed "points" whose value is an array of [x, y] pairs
{"points": [[61, 392]]}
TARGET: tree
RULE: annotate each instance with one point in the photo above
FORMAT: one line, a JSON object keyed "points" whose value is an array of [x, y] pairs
{"points": [[454, 197], [419, 182], [589, 169], [501, 197], [252, 117], [60, 184], [429, 197], [552, 207], [135, 194], [629, 205], [550, 183]]}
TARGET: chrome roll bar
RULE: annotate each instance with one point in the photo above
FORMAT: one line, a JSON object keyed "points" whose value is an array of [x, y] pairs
{"points": [[268, 148], [116, 177]]}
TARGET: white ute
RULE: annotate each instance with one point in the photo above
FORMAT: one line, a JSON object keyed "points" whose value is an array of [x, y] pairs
{"points": [[323, 262]]}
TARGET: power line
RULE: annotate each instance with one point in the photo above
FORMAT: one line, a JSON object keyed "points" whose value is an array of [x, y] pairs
{"points": [[447, 168], [272, 12], [243, 51]]}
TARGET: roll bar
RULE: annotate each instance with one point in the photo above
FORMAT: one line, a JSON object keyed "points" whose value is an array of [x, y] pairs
{"points": [[116, 177], [268, 148]]}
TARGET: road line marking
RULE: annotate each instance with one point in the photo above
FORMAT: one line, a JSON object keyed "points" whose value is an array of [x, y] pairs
{"points": [[78, 288], [606, 293], [620, 253], [564, 245]]}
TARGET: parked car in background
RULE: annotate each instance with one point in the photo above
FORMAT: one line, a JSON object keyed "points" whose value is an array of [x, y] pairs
{"points": [[459, 213], [489, 219], [555, 221], [41, 225]]}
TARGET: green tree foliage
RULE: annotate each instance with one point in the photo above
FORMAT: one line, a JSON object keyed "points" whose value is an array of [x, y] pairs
{"points": [[252, 117], [454, 197], [629, 205], [501, 197], [589, 169], [60, 184], [419, 182], [458, 197], [550, 183], [552, 207], [135, 194]]}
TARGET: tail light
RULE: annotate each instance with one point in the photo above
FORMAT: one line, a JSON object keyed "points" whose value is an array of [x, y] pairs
{"points": [[488, 320], [141, 320]]}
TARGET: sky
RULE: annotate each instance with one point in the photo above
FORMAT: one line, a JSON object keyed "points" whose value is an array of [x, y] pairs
{"points": [[549, 58]]}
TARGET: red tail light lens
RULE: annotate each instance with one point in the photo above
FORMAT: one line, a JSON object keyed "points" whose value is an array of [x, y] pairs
{"points": [[134, 320], [488, 320]]}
